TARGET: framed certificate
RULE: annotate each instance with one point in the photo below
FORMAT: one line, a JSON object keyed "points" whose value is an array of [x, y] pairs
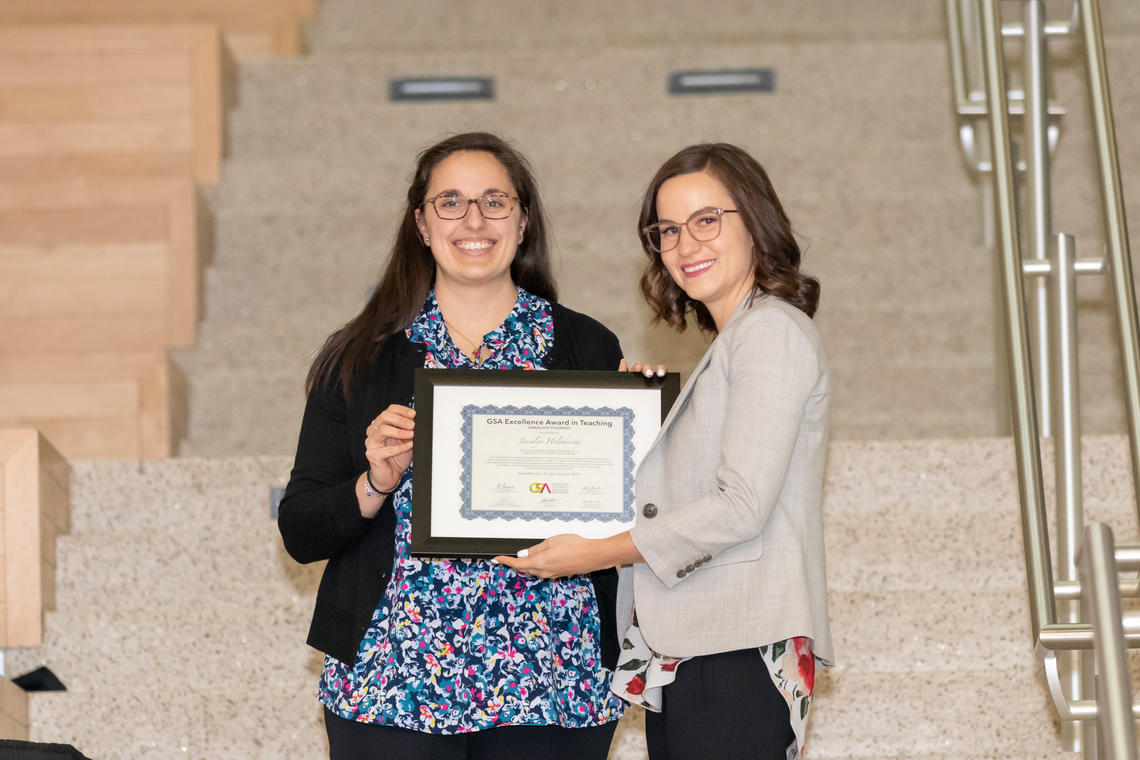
{"points": [[504, 459]]}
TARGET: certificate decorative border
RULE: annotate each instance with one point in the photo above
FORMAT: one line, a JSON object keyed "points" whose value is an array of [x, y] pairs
{"points": [[625, 413], [550, 383]]}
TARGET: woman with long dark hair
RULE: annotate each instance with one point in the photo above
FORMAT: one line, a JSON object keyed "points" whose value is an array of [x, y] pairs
{"points": [[723, 611], [445, 658]]}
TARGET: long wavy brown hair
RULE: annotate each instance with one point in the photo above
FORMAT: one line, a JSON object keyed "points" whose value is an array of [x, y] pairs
{"points": [[410, 272], [775, 252]]}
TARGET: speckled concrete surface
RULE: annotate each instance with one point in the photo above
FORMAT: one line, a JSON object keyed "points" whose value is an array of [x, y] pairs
{"points": [[175, 596], [857, 136]]}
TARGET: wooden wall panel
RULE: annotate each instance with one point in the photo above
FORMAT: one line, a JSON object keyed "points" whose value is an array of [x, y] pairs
{"points": [[34, 507], [96, 102], [252, 28], [95, 406], [134, 285], [145, 91], [13, 711]]}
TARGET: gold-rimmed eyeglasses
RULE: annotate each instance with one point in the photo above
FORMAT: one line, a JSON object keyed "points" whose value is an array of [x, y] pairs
{"points": [[452, 206], [703, 225]]}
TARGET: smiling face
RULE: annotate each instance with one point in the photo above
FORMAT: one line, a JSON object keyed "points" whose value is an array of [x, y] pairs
{"points": [[472, 251], [718, 272]]}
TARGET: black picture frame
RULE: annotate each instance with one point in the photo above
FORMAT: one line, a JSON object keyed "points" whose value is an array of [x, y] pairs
{"points": [[426, 544]]}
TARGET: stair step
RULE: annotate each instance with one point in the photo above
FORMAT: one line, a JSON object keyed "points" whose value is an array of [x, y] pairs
{"points": [[357, 24]]}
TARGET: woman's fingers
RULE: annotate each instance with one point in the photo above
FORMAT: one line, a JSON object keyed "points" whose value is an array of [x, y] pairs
{"points": [[376, 454], [524, 560], [646, 369], [396, 416], [389, 432]]}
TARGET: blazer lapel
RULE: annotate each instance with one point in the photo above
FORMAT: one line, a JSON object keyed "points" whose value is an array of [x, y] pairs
{"points": [[683, 396]]}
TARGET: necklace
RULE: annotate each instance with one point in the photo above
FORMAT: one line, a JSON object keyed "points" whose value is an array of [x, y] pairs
{"points": [[477, 355]]}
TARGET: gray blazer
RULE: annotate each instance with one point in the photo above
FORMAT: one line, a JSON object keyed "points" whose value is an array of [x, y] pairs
{"points": [[729, 496]]}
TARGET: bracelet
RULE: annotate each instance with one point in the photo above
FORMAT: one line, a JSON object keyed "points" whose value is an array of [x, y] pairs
{"points": [[370, 488]]}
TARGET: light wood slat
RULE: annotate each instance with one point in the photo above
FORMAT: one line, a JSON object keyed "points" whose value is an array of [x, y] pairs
{"points": [[55, 495], [89, 192], [14, 702], [95, 102], [32, 518], [160, 415], [24, 404], [26, 27], [94, 332], [52, 68], [10, 729], [24, 624], [234, 12], [93, 406], [183, 291], [112, 438], [269, 21], [31, 139], [47, 555], [138, 298], [67, 368], [305, 8], [208, 102], [54, 498], [48, 228], [145, 90], [83, 263], [17, 170], [3, 559]]}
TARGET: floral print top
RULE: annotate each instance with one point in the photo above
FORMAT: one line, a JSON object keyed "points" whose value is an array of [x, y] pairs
{"points": [[642, 673], [460, 645]]}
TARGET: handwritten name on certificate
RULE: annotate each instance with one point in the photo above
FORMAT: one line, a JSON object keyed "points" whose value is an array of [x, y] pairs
{"points": [[547, 463]]}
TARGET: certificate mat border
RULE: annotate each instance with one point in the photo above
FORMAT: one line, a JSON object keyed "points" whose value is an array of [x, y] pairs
{"points": [[424, 543]]}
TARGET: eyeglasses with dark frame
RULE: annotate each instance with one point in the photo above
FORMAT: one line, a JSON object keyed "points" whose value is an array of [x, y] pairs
{"points": [[703, 225], [453, 206]]}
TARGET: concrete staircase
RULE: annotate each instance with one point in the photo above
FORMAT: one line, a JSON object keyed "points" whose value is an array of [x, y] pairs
{"points": [[181, 621], [858, 137]]}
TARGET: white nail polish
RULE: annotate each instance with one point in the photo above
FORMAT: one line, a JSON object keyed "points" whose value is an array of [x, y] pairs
{"points": [[660, 372], [523, 553]]}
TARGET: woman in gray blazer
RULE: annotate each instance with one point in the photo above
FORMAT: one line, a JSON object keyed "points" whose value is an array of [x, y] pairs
{"points": [[723, 612]]}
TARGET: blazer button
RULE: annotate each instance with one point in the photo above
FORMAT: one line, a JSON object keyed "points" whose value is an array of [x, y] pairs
{"points": [[680, 573], [649, 510], [690, 568]]}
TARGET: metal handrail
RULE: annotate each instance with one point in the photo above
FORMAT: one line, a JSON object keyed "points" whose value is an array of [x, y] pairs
{"points": [[1053, 257], [1034, 524], [1119, 256], [1116, 729]]}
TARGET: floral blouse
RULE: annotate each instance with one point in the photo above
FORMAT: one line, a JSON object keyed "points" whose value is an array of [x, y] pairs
{"points": [[642, 673], [459, 645]]}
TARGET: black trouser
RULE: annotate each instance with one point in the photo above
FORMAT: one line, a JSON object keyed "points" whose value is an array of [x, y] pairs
{"points": [[349, 740], [722, 706]]}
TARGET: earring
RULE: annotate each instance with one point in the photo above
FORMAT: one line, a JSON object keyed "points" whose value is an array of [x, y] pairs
{"points": [[427, 241]]}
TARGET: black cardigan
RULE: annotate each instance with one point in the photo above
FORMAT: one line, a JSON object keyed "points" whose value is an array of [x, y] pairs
{"points": [[319, 516]]}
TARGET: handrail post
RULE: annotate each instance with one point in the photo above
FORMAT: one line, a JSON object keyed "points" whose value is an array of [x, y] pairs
{"points": [[1116, 729], [1037, 174], [1116, 228], [1075, 667], [1035, 534]]}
